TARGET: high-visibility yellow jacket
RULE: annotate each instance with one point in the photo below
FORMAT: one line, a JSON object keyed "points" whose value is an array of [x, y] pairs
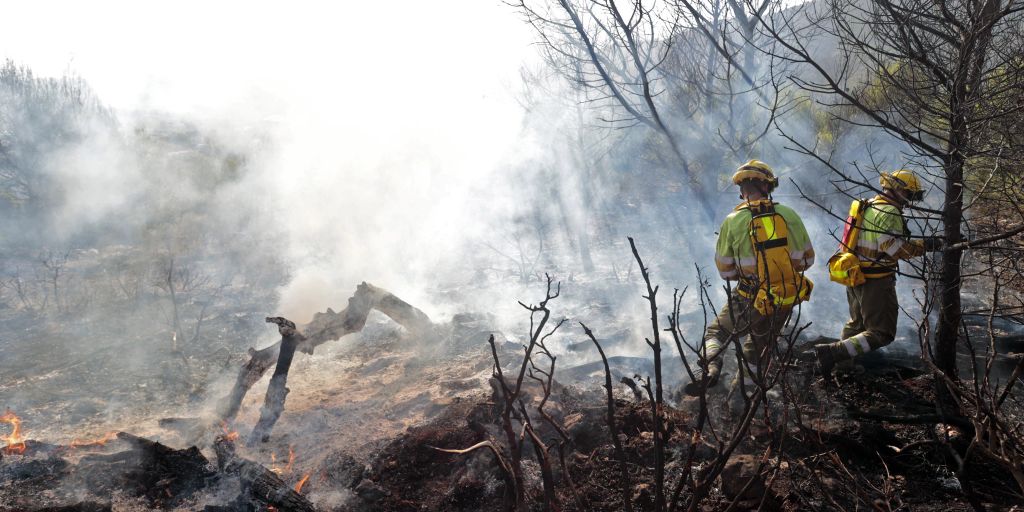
{"points": [[734, 253], [884, 239]]}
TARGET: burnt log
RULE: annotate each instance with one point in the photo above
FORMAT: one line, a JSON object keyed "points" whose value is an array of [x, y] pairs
{"points": [[258, 482], [164, 476], [324, 327], [273, 404]]}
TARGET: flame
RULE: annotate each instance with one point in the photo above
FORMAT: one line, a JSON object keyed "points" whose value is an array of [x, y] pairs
{"points": [[109, 436], [288, 467], [298, 486], [229, 434], [15, 441]]}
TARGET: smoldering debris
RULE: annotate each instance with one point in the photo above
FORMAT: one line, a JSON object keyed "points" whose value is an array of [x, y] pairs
{"points": [[135, 472], [364, 423]]}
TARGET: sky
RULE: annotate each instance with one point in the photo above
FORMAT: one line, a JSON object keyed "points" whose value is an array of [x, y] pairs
{"points": [[382, 76], [199, 55]]}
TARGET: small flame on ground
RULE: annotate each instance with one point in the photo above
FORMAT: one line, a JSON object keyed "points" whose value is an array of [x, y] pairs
{"points": [[15, 441], [109, 436], [229, 434], [298, 486], [288, 467]]}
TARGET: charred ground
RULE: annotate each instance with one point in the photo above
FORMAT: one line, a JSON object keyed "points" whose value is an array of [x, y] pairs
{"points": [[368, 419]]}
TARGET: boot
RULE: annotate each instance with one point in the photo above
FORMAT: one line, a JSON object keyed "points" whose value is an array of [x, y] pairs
{"points": [[825, 358], [832, 356]]}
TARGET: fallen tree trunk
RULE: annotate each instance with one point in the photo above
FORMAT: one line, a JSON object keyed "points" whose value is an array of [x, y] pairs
{"points": [[325, 327], [257, 481]]}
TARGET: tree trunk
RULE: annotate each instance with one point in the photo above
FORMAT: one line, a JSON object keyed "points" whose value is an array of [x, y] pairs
{"points": [[967, 87], [949, 279]]}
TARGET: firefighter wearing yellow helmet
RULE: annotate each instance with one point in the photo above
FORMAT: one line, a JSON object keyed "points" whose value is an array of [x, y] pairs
{"points": [[764, 247], [874, 240]]}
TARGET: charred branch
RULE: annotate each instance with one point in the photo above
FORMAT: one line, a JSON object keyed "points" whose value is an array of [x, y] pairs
{"points": [[276, 391], [613, 431], [657, 402], [257, 481], [325, 327]]}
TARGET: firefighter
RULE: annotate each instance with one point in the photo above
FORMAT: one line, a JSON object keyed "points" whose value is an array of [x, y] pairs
{"points": [[764, 248], [880, 239]]}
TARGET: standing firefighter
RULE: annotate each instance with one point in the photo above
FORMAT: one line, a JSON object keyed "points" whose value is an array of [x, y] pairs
{"points": [[874, 240], [763, 246]]}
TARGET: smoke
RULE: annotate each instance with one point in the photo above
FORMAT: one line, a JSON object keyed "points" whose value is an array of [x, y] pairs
{"points": [[292, 155], [97, 179]]}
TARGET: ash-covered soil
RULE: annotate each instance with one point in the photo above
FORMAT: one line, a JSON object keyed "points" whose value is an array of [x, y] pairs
{"points": [[368, 418], [365, 419]]}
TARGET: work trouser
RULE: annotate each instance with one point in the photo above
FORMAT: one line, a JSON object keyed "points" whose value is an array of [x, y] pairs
{"points": [[738, 318], [873, 313]]}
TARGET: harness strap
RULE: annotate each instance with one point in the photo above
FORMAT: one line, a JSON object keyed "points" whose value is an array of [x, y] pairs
{"points": [[746, 287], [771, 244], [877, 270]]}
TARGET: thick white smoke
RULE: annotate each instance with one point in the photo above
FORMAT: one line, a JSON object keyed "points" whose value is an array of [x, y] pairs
{"points": [[378, 130]]}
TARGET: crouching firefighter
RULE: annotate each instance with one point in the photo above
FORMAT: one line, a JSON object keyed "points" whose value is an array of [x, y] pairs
{"points": [[875, 238], [764, 247]]}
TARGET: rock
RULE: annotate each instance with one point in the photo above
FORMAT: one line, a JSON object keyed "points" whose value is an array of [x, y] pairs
{"points": [[737, 473]]}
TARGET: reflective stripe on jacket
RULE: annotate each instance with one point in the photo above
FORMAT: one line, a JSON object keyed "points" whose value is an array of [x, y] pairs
{"points": [[734, 254], [884, 239]]}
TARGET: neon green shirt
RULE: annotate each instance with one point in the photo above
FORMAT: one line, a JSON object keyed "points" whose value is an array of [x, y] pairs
{"points": [[734, 254], [884, 238]]}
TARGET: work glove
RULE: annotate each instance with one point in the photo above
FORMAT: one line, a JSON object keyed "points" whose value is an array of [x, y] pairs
{"points": [[714, 371], [934, 243]]}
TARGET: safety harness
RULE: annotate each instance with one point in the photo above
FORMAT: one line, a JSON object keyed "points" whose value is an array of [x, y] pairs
{"points": [[779, 286], [845, 266]]}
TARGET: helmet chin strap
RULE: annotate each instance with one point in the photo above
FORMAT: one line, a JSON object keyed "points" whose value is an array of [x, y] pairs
{"points": [[896, 196]]}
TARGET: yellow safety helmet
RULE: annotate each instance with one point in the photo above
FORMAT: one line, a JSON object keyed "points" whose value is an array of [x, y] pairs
{"points": [[904, 181], [756, 170]]}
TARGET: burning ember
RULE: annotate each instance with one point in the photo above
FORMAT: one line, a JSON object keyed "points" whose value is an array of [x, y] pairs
{"points": [[298, 486], [15, 441]]}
